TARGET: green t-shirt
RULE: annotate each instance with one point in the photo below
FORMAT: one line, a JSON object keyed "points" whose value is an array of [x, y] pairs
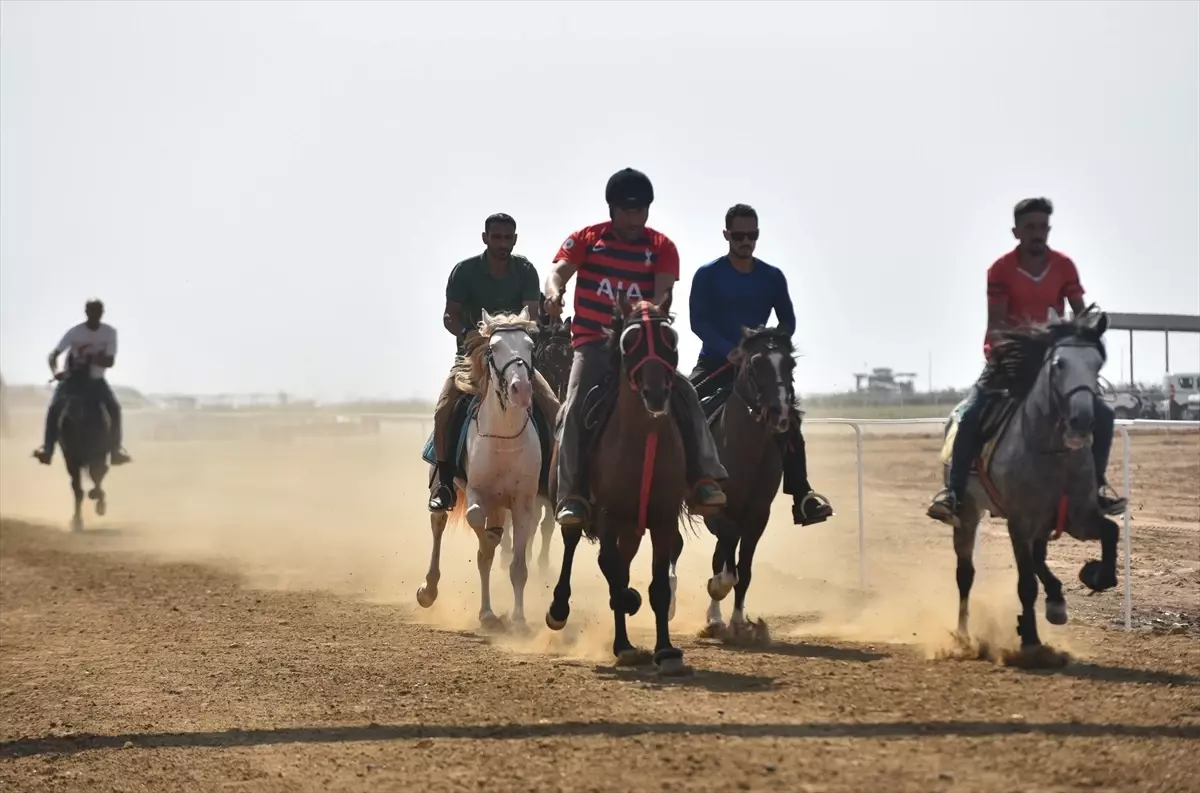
{"points": [[472, 286]]}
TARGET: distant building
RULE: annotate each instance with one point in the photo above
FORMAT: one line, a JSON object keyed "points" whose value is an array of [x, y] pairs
{"points": [[883, 380]]}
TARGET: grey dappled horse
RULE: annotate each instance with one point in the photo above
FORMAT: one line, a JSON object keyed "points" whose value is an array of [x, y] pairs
{"points": [[1050, 374]]}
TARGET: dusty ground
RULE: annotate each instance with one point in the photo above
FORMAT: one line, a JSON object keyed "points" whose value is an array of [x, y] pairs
{"points": [[244, 619]]}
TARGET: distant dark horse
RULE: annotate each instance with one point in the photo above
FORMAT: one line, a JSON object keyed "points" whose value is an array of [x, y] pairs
{"points": [[1037, 470], [749, 429], [83, 438], [635, 469], [552, 358]]}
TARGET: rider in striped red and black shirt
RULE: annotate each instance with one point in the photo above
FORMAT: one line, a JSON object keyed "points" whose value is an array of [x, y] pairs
{"points": [[621, 258]]}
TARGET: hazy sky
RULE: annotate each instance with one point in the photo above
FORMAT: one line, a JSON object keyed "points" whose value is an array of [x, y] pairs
{"points": [[271, 195]]}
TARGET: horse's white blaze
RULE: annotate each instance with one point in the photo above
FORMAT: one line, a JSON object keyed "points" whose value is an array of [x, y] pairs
{"points": [[776, 359]]}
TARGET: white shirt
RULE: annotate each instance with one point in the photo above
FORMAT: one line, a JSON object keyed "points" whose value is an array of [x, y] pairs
{"points": [[83, 342]]}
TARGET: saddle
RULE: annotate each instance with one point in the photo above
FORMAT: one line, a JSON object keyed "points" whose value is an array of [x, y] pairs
{"points": [[997, 416], [465, 410]]}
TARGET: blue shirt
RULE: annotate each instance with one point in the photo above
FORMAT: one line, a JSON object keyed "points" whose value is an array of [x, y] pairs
{"points": [[723, 301]]}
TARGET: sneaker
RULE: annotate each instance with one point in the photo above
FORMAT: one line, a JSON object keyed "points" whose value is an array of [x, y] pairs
{"points": [[573, 512], [811, 508], [944, 507], [709, 498], [443, 499], [1111, 504], [119, 457], [43, 456]]}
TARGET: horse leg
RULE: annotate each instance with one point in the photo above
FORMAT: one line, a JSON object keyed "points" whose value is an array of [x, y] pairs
{"points": [[560, 605], [489, 528], [524, 517], [724, 576], [97, 472], [427, 594], [1027, 588], [964, 573], [1099, 576], [547, 516], [737, 621], [665, 541], [622, 599], [1056, 604], [672, 577], [506, 540], [76, 473]]}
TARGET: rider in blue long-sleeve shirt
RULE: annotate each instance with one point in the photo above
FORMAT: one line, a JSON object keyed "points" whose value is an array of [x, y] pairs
{"points": [[739, 291]]}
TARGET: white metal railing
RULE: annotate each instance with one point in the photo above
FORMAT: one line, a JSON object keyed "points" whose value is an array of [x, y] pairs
{"points": [[1122, 424]]}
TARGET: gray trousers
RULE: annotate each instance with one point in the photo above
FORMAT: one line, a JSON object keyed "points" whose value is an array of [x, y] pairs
{"points": [[588, 368]]}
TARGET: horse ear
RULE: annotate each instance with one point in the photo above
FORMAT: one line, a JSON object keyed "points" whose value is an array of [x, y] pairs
{"points": [[525, 313], [1102, 324], [487, 318]]}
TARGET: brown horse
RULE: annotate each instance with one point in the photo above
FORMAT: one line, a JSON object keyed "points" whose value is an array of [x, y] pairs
{"points": [[750, 429], [635, 470]]}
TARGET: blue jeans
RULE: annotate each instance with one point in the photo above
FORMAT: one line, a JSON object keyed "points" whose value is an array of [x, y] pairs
{"points": [[967, 443], [92, 388]]}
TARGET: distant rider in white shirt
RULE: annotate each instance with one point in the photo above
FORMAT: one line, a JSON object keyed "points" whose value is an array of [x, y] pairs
{"points": [[92, 344]]}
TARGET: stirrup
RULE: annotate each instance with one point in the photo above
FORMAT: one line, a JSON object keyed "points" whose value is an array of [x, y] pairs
{"points": [[574, 517], [945, 508], [443, 499], [822, 513]]}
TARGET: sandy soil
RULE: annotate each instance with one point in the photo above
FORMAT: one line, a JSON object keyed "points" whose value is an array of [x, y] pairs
{"points": [[244, 619]]}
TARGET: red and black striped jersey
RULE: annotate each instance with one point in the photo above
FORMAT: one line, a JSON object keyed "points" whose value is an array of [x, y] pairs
{"points": [[608, 268]]}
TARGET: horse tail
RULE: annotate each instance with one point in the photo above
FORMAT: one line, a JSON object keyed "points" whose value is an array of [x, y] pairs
{"points": [[456, 518]]}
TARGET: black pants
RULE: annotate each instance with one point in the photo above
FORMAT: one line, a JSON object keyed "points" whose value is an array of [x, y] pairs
{"points": [[92, 388], [713, 375]]}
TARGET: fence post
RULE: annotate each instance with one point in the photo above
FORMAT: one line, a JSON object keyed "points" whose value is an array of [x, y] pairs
{"points": [[862, 538], [1128, 540]]}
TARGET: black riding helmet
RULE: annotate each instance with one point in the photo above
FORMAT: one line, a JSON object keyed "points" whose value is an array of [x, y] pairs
{"points": [[629, 188]]}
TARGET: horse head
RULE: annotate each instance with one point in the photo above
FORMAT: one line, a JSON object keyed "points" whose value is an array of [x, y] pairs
{"points": [[648, 349], [508, 356], [764, 365], [1056, 369], [552, 355]]}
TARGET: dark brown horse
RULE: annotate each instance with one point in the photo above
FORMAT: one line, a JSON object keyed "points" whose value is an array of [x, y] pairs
{"points": [[749, 428], [635, 470]]}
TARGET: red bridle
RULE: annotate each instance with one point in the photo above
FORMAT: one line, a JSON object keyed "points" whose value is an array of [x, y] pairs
{"points": [[640, 330]]}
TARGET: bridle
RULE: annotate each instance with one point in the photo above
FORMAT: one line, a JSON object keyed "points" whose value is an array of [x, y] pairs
{"points": [[1058, 399], [499, 378], [756, 403], [651, 332]]}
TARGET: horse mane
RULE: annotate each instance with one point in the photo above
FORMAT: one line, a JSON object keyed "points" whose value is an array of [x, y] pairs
{"points": [[775, 338], [1018, 353], [471, 373]]}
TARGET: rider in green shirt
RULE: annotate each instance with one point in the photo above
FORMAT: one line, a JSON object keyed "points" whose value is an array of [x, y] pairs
{"points": [[497, 281]]}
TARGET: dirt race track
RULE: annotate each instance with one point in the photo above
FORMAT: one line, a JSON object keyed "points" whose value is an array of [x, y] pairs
{"points": [[244, 619]]}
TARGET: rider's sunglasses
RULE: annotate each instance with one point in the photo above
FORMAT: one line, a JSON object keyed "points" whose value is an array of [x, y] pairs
{"points": [[738, 236]]}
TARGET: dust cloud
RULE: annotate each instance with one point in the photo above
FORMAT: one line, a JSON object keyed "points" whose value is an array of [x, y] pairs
{"points": [[347, 515]]}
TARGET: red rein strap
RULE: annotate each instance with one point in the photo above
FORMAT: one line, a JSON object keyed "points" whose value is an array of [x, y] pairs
{"points": [[650, 452]]}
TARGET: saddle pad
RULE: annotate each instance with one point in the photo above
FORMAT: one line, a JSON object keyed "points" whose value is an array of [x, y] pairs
{"points": [[471, 404]]}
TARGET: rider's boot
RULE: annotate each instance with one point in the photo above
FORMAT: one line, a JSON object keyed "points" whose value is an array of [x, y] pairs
{"points": [[44, 455], [573, 511], [1110, 502], [707, 498], [811, 508], [444, 496], [119, 457], [946, 506]]}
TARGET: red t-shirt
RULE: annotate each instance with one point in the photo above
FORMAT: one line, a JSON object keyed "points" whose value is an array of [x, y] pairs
{"points": [[1030, 300], [607, 268]]}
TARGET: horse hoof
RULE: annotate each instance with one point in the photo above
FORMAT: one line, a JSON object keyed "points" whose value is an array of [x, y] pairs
{"points": [[632, 602], [634, 656], [719, 586], [1056, 612], [490, 623], [101, 507], [76, 525], [714, 630], [670, 663], [426, 596], [1096, 578], [556, 622]]}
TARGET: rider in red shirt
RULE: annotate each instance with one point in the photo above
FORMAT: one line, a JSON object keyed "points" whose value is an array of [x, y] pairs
{"points": [[1027, 286]]}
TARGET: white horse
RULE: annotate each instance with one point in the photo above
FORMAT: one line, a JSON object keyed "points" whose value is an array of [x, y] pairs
{"points": [[503, 458]]}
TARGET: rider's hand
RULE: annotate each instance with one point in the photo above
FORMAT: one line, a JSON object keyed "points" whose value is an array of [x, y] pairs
{"points": [[554, 305], [60, 375]]}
